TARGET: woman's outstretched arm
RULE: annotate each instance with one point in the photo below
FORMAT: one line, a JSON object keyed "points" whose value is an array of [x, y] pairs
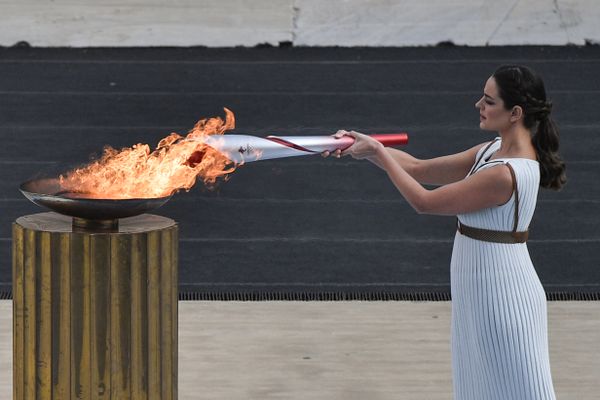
{"points": [[487, 188], [434, 171]]}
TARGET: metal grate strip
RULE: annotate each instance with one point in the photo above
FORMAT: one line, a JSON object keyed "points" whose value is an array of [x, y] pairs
{"points": [[357, 296], [312, 296]]}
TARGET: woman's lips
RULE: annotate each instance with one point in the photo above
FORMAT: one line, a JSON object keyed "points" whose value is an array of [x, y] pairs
{"points": [[481, 117]]}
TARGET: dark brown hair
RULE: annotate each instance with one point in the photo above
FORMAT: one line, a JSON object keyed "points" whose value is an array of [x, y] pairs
{"points": [[521, 86]]}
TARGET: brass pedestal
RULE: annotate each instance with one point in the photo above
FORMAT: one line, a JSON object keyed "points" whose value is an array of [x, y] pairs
{"points": [[94, 311]]}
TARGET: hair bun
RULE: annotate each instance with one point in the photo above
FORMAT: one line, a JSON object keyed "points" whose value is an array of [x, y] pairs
{"points": [[541, 109], [546, 110]]}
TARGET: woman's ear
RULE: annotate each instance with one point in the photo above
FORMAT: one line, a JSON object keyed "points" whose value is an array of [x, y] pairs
{"points": [[516, 113]]}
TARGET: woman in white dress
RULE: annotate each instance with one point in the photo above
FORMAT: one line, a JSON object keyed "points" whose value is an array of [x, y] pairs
{"points": [[499, 326]]}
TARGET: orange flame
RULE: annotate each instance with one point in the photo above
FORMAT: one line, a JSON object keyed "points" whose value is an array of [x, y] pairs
{"points": [[136, 172]]}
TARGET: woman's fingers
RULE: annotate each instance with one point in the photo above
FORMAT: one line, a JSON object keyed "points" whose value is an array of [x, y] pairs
{"points": [[336, 153], [339, 153], [340, 134], [361, 148]]}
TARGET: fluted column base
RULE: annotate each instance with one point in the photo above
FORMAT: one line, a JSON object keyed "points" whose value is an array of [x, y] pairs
{"points": [[95, 312]]}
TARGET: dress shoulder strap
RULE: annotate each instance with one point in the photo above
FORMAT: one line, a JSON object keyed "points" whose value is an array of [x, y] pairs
{"points": [[482, 155], [516, 192]]}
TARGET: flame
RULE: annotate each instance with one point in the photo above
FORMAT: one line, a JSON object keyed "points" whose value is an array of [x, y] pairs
{"points": [[137, 172]]}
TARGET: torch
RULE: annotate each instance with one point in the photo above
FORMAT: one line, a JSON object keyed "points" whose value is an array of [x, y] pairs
{"points": [[247, 148]]}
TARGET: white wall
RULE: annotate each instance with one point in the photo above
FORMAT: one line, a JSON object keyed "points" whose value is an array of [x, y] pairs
{"points": [[222, 23]]}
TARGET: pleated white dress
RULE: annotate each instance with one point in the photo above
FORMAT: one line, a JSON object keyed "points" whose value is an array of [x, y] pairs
{"points": [[499, 324]]}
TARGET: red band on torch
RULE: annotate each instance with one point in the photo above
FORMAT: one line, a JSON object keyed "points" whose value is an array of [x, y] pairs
{"points": [[391, 139]]}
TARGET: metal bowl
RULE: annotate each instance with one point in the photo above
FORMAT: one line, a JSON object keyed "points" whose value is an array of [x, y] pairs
{"points": [[48, 193]]}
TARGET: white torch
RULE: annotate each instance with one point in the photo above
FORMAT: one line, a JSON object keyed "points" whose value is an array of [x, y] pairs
{"points": [[247, 148]]}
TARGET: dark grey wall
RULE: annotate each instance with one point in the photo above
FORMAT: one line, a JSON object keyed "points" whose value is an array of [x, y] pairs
{"points": [[303, 224]]}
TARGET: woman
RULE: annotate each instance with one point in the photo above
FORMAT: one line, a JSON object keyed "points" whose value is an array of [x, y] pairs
{"points": [[499, 325]]}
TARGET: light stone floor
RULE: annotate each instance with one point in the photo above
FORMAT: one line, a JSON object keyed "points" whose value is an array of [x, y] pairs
{"points": [[225, 23], [342, 350]]}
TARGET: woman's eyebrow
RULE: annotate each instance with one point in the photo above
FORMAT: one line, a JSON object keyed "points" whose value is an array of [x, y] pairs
{"points": [[487, 95]]}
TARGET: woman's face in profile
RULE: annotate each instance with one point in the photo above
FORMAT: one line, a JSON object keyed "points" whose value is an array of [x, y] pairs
{"points": [[492, 114]]}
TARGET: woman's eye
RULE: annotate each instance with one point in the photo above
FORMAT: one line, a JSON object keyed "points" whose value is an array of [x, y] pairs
{"points": [[489, 102]]}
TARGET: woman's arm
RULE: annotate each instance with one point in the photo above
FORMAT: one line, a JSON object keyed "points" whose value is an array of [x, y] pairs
{"points": [[434, 171], [487, 188]]}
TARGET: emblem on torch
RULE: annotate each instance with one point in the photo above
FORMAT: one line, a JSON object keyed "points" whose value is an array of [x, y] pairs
{"points": [[248, 149]]}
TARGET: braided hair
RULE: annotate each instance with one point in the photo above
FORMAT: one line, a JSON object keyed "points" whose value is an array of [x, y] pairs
{"points": [[521, 86]]}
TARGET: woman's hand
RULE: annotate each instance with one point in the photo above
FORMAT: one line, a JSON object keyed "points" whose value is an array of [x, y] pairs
{"points": [[363, 147]]}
